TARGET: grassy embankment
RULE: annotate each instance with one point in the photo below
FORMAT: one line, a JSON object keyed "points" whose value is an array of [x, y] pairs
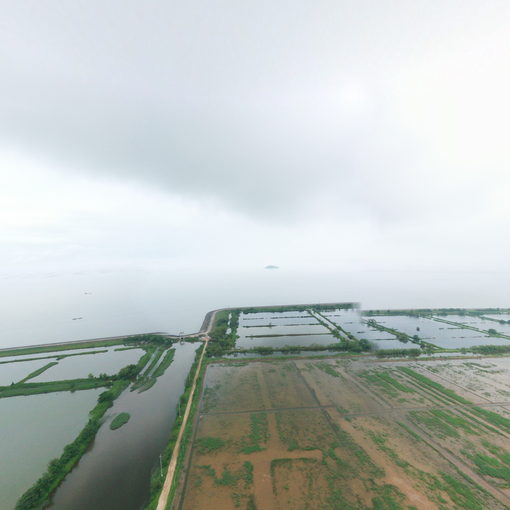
{"points": [[59, 356], [290, 349], [392, 353], [24, 389], [425, 312], [490, 331], [37, 372], [488, 349], [38, 496], [405, 338], [19, 351], [132, 341], [346, 341], [221, 341], [296, 308]]}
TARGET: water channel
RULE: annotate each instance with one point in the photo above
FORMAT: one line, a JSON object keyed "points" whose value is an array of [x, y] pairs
{"points": [[115, 473]]}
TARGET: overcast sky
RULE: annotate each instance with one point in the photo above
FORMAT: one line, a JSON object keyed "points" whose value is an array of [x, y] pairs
{"points": [[354, 135]]}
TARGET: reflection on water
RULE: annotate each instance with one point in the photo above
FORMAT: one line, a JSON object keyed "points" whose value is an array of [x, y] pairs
{"points": [[284, 341], [76, 367], [14, 372], [115, 473], [33, 431]]}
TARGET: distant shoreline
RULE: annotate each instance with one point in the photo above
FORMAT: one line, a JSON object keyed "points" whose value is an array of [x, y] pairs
{"points": [[209, 316]]}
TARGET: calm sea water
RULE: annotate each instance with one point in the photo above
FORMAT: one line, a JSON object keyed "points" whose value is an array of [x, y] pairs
{"points": [[40, 308]]}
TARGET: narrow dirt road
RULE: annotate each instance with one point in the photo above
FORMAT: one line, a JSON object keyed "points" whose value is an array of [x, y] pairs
{"points": [[163, 498]]}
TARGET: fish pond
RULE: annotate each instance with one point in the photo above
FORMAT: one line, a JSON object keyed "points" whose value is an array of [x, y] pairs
{"points": [[77, 367], [281, 330], [435, 332], [34, 430]]}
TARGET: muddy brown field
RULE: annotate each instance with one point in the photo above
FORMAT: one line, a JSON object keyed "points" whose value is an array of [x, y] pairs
{"points": [[351, 434]]}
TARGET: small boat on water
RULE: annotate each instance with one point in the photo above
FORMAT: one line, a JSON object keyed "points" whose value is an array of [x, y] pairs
{"points": [[77, 318]]}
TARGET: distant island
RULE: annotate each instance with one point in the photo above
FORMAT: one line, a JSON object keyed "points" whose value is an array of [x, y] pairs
{"points": [[270, 266]]}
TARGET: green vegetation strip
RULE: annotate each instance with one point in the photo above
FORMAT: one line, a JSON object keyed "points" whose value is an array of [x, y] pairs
{"points": [[64, 347], [150, 375], [391, 353], [153, 361], [139, 340], [167, 361], [488, 349], [58, 356], [497, 466], [385, 382], [24, 389], [290, 349], [119, 420], [209, 444], [297, 308], [491, 417], [39, 371], [259, 433]]}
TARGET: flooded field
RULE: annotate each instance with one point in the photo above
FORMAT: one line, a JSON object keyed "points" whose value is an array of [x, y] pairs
{"points": [[286, 340], [479, 323], [352, 434], [352, 322], [435, 332], [498, 316], [33, 431], [391, 344]]}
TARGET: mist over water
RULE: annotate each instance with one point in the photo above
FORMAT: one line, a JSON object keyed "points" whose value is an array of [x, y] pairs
{"points": [[40, 308]]}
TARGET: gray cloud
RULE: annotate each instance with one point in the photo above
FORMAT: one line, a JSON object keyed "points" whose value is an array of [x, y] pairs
{"points": [[272, 108]]}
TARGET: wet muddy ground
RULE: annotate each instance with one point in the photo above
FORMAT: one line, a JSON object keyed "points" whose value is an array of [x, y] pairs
{"points": [[349, 434]]}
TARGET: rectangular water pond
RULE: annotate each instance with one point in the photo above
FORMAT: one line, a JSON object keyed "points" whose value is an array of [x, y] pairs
{"points": [[499, 316], [267, 316], [14, 372], [284, 341], [479, 323], [432, 331], [78, 367], [33, 431], [352, 322], [392, 344], [54, 354], [276, 321], [301, 329]]}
